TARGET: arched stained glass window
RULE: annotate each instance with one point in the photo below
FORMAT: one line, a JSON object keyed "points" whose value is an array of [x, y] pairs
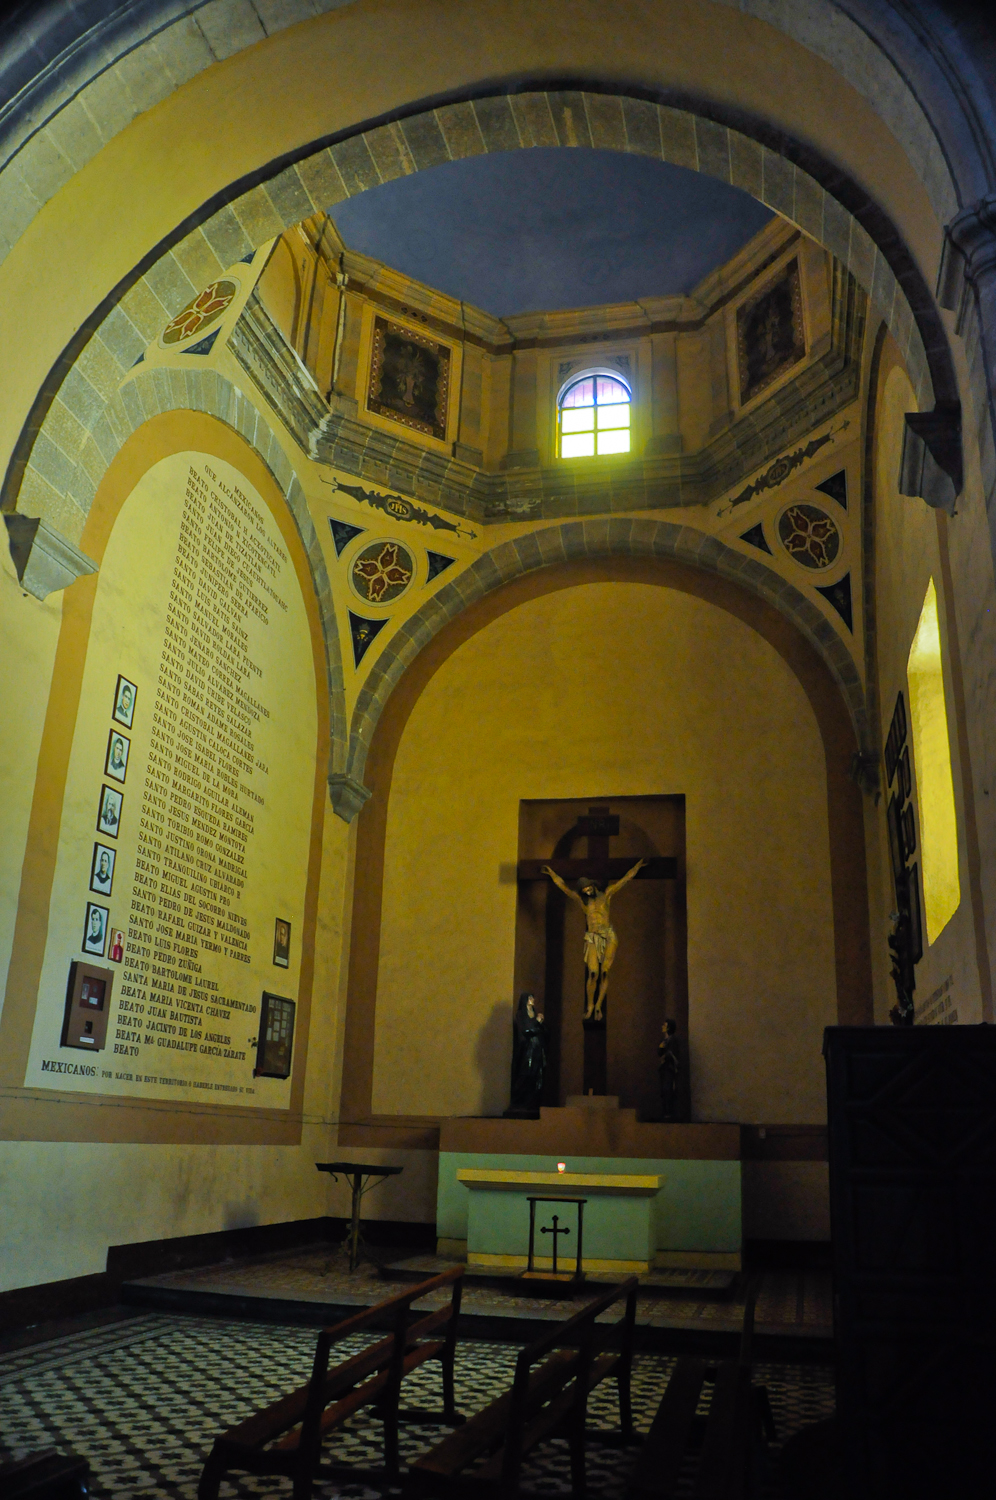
{"points": [[593, 416]]}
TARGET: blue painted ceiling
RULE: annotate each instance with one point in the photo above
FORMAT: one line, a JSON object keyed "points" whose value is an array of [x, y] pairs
{"points": [[531, 231]]}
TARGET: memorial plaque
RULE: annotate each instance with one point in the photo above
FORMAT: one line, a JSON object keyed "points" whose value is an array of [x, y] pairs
{"points": [[195, 743]]}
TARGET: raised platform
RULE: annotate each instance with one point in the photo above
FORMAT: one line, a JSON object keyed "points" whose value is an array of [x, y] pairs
{"points": [[794, 1317]]}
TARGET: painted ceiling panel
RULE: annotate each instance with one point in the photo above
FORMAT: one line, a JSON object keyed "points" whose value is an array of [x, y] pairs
{"points": [[537, 230]]}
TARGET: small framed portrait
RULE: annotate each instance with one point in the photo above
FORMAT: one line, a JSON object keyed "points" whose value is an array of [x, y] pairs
{"points": [[895, 740], [109, 812], [894, 820], [95, 930], [281, 943], [116, 764], [124, 702], [115, 949], [275, 1043], [102, 869], [909, 831]]}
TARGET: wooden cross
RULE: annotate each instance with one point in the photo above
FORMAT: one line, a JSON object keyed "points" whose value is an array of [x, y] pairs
{"points": [[555, 1231], [598, 827]]}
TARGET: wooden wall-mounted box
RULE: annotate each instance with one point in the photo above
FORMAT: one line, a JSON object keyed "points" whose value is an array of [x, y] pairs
{"points": [[88, 1005]]}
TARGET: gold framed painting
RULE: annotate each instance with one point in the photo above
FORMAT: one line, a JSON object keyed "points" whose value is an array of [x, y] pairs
{"points": [[409, 378]]}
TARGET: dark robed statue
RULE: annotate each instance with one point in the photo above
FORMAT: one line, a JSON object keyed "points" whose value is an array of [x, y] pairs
{"points": [[528, 1055], [668, 1069]]}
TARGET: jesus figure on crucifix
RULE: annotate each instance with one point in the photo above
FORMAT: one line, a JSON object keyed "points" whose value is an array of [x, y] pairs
{"points": [[600, 941]]}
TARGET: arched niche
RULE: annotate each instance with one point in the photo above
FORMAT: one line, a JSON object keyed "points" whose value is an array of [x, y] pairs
{"points": [[847, 893]]}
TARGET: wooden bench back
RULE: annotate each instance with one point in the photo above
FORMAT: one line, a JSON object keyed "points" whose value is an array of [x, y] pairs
{"points": [[747, 1332], [578, 1331], [396, 1311]]}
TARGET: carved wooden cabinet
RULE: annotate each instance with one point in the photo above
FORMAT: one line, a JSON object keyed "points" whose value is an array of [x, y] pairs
{"points": [[912, 1135]]}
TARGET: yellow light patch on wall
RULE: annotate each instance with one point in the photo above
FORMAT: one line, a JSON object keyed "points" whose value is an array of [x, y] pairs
{"points": [[932, 758]]}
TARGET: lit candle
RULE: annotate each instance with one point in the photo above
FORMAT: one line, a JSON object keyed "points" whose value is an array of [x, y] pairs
{"points": [[561, 1166]]}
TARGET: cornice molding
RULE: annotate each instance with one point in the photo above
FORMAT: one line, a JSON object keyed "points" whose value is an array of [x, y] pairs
{"points": [[526, 491]]}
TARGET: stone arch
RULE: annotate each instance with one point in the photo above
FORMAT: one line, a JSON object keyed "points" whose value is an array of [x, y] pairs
{"points": [[152, 392], [68, 427], [59, 87], [603, 537], [594, 551]]}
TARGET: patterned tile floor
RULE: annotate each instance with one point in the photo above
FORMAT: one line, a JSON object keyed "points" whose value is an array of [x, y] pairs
{"points": [[142, 1400], [789, 1302]]}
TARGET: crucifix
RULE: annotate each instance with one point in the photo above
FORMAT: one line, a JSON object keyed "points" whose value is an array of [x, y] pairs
{"points": [[598, 876], [555, 1230]]}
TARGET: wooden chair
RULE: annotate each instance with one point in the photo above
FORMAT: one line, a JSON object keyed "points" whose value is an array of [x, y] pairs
{"points": [[554, 1376], [739, 1413], [286, 1436]]}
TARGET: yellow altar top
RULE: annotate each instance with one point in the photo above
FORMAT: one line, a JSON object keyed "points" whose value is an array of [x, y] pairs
{"points": [[630, 1184]]}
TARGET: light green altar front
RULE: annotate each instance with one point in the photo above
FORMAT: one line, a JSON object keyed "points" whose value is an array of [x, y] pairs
{"points": [[641, 1211], [618, 1222]]}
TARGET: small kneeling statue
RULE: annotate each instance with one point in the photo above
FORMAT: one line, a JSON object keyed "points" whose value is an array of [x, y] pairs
{"points": [[668, 1069], [528, 1056]]}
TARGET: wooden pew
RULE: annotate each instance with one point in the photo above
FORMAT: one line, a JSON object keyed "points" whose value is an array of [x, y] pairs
{"points": [[738, 1413], [286, 1436], [554, 1376]]}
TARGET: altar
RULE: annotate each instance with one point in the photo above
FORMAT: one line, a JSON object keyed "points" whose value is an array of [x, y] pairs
{"points": [[656, 1195], [618, 1217], [653, 1195]]}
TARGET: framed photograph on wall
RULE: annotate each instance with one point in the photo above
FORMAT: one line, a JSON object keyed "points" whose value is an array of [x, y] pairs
{"points": [[102, 869], [275, 1043], [894, 819], [281, 943], [895, 739], [125, 695], [116, 763], [909, 831], [95, 929], [109, 812]]}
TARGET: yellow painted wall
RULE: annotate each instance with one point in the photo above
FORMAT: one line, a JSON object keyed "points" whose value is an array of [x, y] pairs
{"points": [[29, 630], [907, 556], [601, 690], [68, 1199]]}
